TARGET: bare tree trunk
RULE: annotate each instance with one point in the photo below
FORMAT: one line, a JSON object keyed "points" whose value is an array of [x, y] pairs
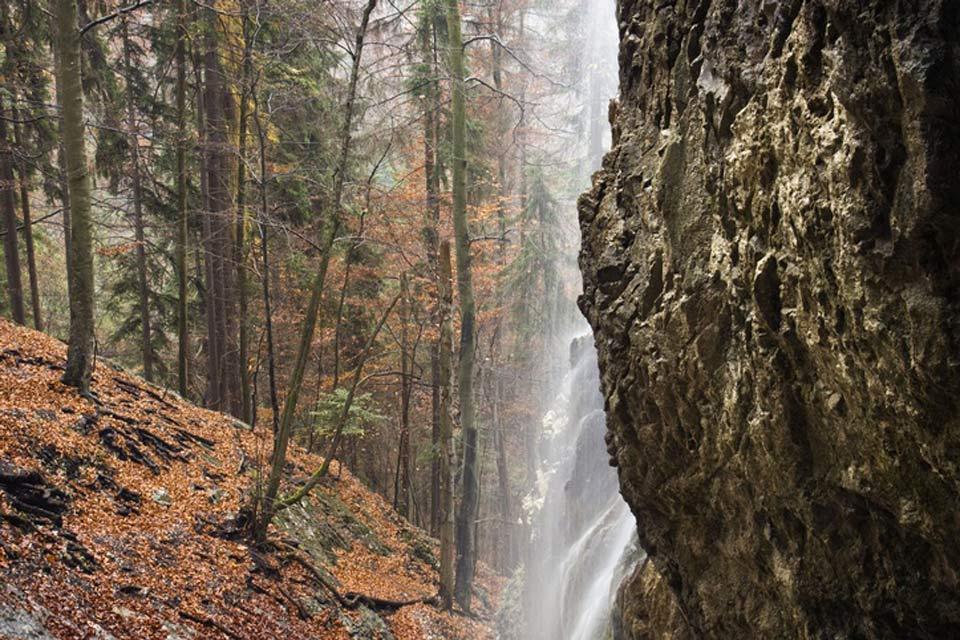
{"points": [[143, 293], [239, 254], [24, 172], [496, 18], [338, 325], [212, 390], [504, 532], [447, 458], [80, 346], [8, 202], [267, 312], [435, 439], [482, 463], [183, 338], [505, 528], [224, 226], [337, 332], [7, 184], [402, 489], [469, 500], [61, 165], [430, 239], [215, 209], [310, 320]]}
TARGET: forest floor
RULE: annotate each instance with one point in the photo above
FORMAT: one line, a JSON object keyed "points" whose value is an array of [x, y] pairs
{"points": [[119, 521]]}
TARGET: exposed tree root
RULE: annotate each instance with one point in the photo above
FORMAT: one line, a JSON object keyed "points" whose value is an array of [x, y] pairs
{"points": [[303, 613], [353, 600], [135, 390], [209, 622]]}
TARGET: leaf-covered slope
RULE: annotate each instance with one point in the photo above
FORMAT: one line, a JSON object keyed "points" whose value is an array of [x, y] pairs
{"points": [[120, 521]]}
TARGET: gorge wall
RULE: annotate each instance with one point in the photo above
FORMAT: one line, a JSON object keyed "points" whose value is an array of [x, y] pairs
{"points": [[770, 257]]}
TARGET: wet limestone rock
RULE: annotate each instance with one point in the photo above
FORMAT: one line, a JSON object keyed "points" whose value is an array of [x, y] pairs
{"points": [[770, 258]]}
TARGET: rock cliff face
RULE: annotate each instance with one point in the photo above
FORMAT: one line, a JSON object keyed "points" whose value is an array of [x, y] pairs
{"points": [[771, 268]]}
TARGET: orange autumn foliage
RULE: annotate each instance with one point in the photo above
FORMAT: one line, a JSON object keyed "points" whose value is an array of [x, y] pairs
{"points": [[138, 537]]}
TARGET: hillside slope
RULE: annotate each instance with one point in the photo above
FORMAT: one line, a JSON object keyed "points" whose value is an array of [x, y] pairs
{"points": [[119, 522]]}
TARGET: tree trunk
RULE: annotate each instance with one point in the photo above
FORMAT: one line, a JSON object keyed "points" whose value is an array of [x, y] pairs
{"points": [[80, 346], [183, 338], [446, 452], [62, 164], [496, 17], [239, 254], [212, 390], [430, 239], [24, 172], [224, 369], [338, 327], [9, 203], [143, 292], [505, 527], [504, 532], [469, 501], [264, 255], [402, 489], [478, 518], [216, 208], [328, 233], [8, 186]]}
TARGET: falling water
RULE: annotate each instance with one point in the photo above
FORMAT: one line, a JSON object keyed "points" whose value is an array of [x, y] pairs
{"points": [[583, 534]]}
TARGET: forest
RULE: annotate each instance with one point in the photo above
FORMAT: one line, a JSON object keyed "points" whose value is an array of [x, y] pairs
{"points": [[500, 319], [347, 225]]}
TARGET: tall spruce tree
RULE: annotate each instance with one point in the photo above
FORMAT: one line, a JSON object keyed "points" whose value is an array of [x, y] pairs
{"points": [[469, 501], [81, 270]]}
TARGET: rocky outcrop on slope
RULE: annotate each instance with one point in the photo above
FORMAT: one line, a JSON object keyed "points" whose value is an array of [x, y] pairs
{"points": [[770, 259]]}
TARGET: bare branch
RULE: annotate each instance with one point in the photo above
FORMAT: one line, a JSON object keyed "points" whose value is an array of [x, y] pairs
{"points": [[495, 39], [116, 14]]}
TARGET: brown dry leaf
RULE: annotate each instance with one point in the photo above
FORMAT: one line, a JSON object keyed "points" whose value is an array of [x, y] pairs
{"points": [[146, 485]]}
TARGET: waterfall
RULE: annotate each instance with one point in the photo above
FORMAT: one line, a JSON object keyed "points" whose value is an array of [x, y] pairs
{"points": [[583, 533], [583, 540]]}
